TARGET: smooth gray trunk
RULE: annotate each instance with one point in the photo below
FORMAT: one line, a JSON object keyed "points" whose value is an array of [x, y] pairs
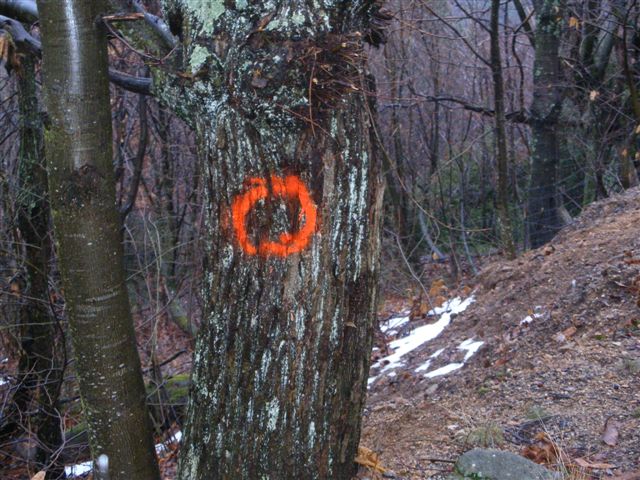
{"points": [[88, 240]]}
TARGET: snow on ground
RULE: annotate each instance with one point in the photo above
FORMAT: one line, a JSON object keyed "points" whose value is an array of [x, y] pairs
{"points": [[390, 326], [470, 346], [78, 469], [425, 365], [418, 336], [529, 318]]}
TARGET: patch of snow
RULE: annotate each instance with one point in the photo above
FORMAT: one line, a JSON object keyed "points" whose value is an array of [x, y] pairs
{"points": [[3, 381], [529, 318], [78, 469], [437, 353], [425, 366], [423, 334], [471, 348], [174, 438], [444, 370], [393, 323]]}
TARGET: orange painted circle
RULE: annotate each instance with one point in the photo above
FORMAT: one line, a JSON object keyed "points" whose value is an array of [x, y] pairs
{"points": [[288, 187]]}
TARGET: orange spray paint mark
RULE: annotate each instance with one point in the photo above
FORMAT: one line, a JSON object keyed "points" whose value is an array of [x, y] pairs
{"points": [[290, 187]]}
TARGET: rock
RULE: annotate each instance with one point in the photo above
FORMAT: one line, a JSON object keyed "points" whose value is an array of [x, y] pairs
{"points": [[488, 464]]}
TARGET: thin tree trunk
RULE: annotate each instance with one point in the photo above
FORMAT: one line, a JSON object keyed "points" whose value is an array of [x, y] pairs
{"points": [[292, 218], [543, 221], [504, 219], [87, 232]]}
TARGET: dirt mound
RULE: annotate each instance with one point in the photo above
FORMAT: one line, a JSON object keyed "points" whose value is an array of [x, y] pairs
{"points": [[561, 358]]}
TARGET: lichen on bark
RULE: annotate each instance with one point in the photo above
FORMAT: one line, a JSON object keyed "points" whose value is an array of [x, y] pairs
{"points": [[283, 352]]}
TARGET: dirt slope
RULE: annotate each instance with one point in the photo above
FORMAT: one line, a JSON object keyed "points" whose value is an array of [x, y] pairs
{"points": [[572, 368]]}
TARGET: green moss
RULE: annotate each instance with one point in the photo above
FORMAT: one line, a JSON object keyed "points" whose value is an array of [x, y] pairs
{"points": [[488, 435]]}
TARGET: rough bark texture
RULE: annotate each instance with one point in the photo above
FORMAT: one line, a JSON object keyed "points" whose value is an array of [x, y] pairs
{"points": [[282, 356], [502, 200], [87, 234], [543, 220], [41, 360]]}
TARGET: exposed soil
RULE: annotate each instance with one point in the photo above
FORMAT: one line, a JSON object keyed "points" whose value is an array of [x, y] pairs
{"points": [[574, 367]]}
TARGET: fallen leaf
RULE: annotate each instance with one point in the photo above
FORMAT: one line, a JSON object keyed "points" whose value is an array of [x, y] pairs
{"points": [[369, 458], [544, 450], [610, 435], [581, 462], [39, 475], [438, 287], [569, 332]]}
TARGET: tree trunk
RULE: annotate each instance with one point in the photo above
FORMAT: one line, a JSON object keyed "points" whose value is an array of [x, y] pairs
{"points": [[88, 240], [41, 363], [504, 219], [543, 221], [293, 215]]}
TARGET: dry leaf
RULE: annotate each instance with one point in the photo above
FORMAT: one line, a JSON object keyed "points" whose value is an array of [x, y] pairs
{"points": [[574, 23], [610, 435], [593, 95], [581, 462], [369, 458], [264, 21], [437, 288], [569, 332], [544, 450], [39, 475]]}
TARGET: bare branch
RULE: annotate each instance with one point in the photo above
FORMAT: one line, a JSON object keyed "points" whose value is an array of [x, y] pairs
{"points": [[23, 10], [525, 19], [29, 44]]}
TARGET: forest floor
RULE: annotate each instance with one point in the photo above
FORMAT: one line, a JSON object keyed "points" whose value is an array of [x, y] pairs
{"points": [[557, 377]]}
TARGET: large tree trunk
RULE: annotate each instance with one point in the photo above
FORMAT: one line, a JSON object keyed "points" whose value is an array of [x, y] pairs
{"points": [[293, 213], [87, 232], [543, 221]]}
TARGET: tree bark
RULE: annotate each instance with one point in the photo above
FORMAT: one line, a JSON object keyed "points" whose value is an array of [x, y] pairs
{"points": [[293, 214], [502, 199], [87, 233], [543, 221], [41, 362]]}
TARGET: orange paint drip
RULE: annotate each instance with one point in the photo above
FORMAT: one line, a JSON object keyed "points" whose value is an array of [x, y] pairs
{"points": [[290, 187]]}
